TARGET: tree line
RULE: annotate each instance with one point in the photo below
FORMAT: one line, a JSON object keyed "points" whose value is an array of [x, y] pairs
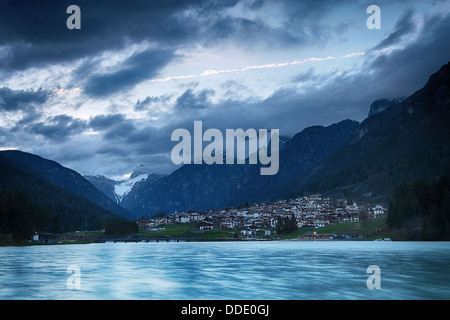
{"points": [[121, 227], [22, 216], [286, 225], [422, 209]]}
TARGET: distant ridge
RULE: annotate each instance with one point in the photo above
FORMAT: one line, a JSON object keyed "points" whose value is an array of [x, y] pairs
{"points": [[32, 202], [65, 178]]}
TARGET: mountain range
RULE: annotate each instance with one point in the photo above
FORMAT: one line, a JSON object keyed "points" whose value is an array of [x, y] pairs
{"points": [[400, 140], [202, 187]]}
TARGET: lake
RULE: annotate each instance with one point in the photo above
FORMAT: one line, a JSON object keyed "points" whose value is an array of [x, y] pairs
{"points": [[247, 270]]}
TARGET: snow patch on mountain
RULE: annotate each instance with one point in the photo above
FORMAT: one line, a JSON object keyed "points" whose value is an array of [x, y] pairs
{"points": [[122, 188]]}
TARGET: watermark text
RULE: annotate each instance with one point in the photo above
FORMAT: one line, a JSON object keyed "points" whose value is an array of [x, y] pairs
{"points": [[235, 140]]}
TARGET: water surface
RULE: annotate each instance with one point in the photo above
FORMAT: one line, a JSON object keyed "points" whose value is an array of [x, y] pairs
{"points": [[287, 270]]}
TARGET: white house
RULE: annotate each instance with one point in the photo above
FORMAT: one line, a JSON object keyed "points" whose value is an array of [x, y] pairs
{"points": [[205, 226], [378, 211], [195, 216], [184, 219], [319, 223]]}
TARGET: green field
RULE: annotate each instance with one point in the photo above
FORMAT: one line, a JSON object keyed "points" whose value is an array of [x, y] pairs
{"points": [[187, 230]]}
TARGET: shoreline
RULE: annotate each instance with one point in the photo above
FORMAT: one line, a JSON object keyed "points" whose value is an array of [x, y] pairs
{"points": [[164, 240], [170, 240]]}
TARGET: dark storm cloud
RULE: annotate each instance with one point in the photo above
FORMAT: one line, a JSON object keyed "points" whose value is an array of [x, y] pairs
{"points": [[120, 132], [103, 122], [57, 128], [307, 21], [34, 33], [406, 70], [149, 102], [114, 127], [304, 23], [140, 66], [403, 27], [149, 140], [191, 100], [30, 117], [249, 33], [15, 100]]}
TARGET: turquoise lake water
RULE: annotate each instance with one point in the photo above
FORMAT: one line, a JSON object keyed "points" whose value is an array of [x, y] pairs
{"points": [[275, 270]]}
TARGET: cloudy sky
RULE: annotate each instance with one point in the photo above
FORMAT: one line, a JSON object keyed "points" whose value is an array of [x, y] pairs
{"points": [[105, 99]]}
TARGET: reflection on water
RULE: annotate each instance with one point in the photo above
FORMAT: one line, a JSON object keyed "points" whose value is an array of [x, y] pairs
{"points": [[288, 270]]}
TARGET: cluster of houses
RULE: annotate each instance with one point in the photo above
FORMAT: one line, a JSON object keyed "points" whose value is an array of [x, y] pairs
{"points": [[261, 219]]}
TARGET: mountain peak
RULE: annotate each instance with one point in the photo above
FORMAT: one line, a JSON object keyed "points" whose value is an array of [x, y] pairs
{"points": [[381, 104]]}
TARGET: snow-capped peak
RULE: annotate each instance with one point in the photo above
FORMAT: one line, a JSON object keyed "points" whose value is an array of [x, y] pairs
{"points": [[122, 188]]}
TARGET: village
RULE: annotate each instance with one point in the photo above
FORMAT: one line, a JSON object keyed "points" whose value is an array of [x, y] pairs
{"points": [[260, 220]]}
